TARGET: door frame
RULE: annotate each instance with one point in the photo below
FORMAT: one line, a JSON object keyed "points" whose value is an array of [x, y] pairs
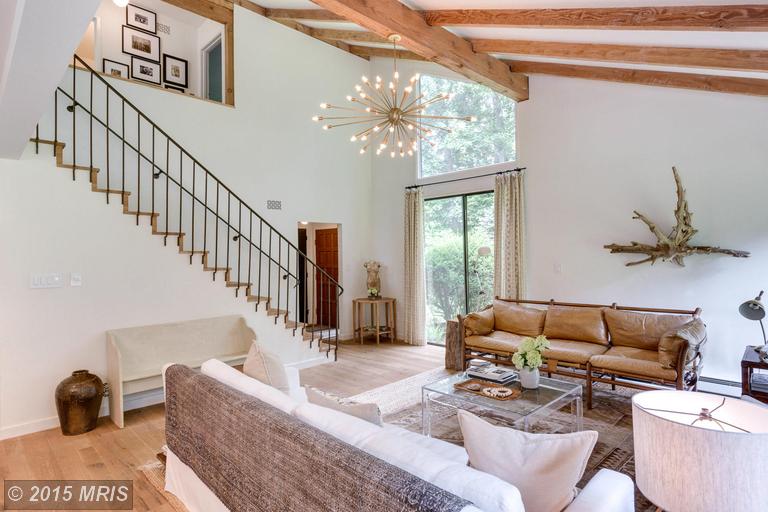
{"points": [[219, 38]]}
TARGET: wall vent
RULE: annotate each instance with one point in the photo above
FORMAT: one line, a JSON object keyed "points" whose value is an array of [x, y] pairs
{"points": [[274, 205], [165, 29]]}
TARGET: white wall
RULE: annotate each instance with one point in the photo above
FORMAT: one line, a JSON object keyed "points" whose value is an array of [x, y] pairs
{"points": [[595, 151], [266, 148]]}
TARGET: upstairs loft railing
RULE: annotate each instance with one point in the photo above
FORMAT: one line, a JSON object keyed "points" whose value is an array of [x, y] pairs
{"points": [[137, 160]]}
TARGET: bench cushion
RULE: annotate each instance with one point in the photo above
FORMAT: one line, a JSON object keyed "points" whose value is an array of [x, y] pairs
{"points": [[479, 323], [571, 351], [640, 330], [497, 341], [635, 361], [578, 324], [511, 317]]}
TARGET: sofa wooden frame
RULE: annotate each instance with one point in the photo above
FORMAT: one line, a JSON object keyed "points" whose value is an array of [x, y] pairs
{"points": [[685, 380]]}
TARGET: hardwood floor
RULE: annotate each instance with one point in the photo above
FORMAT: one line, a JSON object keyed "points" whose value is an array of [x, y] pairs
{"points": [[112, 453]]}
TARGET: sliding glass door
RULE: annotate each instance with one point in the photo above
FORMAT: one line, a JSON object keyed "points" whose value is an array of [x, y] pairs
{"points": [[458, 253]]}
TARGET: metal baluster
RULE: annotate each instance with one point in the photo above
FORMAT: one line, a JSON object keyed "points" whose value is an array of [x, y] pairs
{"points": [[122, 195], [229, 203], [192, 253], [204, 258], [239, 237], [269, 270], [328, 315], [336, 334], [261, 251], [314, 303], [56, 120], [250, 248], [296, 296], [90, 132], [155, 175], [216, 247], [167, 187], [138, 166], [279, 270], [181, 190], [287, 279], [74, 118], [106, 137]]}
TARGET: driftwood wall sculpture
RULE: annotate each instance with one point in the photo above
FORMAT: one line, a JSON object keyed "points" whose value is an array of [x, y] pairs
{"points": [[674, 246]]}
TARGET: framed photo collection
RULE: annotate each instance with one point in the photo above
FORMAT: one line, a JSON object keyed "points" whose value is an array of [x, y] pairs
{"points": [[145, 70], [141, 44], [116, 69], [143, 19], [175, 71]]}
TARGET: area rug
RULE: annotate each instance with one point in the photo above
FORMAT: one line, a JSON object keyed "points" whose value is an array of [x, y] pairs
{"points": [[611, 417], [154, 472]]}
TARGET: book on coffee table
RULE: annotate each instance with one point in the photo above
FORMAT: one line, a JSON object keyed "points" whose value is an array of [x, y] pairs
{"points": [[492, 373]]}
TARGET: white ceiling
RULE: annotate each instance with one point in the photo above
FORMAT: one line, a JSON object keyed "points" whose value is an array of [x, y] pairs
{"points": [[696, 39]]}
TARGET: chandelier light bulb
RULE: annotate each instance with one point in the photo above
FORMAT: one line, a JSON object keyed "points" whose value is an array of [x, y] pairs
{"points": [[120, 3], [472, 119], [391, 115]]}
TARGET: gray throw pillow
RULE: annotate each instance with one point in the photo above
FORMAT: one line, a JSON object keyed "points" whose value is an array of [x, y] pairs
{"points": [[368, 412]]}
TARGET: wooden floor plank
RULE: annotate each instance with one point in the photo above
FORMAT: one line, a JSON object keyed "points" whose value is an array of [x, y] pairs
{"points": [[111, 453]]}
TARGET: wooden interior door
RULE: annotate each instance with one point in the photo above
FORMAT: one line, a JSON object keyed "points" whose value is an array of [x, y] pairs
{"points": [[327, 255]]}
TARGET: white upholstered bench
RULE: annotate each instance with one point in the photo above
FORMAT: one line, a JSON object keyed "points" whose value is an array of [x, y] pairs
{"points": [[136, 355]]}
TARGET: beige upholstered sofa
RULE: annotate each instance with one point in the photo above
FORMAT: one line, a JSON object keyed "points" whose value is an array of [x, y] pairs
{"points": [[598, 343]]}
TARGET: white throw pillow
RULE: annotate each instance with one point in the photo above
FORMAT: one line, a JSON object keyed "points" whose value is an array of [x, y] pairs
{"points": [[368, 412], [225, 374], [439, 447], [487, 492], [266, 367], [342, 426], [544, 467]]}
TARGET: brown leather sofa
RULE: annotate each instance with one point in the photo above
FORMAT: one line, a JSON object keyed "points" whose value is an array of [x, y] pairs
{"points": [[643, 347]]}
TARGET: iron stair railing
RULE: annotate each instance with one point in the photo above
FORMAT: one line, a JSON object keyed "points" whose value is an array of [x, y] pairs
{"points": [[261, 256]]}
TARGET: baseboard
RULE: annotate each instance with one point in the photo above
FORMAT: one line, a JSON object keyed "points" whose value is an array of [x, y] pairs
{"points": [[31, 427], [309, 363]]}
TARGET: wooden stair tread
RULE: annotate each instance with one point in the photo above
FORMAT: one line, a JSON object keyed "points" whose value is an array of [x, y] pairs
{"points": [[290, 324], [47, 141], [111, 191], [193, 252], [256, 298], [235, 284], [217, 269], [276, 312], [69, 167], [146, 214], [168, 233]]}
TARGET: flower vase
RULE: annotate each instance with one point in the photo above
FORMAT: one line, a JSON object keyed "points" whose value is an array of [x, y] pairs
{"points": [[529, 378]]}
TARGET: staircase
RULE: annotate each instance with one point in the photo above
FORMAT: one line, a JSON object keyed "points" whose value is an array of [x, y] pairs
{"points": [[94, 131]]}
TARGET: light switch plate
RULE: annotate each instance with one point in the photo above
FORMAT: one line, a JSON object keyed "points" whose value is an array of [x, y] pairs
{"points": [[75, 279], [51, 280]]}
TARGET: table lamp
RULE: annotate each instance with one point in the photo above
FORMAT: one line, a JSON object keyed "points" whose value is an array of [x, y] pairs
{"points": [[698, 452], [754, 310]]}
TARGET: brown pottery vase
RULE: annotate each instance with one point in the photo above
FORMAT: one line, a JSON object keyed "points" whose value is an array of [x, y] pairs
{"points": [[78, 401]]}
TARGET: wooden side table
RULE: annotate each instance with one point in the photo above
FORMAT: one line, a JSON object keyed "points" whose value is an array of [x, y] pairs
{"points": [[390, 313], [749, 362]]}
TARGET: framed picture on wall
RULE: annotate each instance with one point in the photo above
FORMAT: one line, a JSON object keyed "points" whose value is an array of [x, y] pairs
{"points": [[175, 70], [141, 18], [145, 70], [140, 44], [174, 88], [116, 69]]}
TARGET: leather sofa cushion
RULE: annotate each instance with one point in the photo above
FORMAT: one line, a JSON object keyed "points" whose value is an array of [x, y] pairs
{"points": [[497, 341], [640, 330], [573, 351], [577, 324], [673, 342], [480, 322], [635, 361], [518, 319]]}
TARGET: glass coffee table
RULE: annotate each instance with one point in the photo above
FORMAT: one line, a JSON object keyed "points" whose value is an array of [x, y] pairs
{"points": [[441, 399]]}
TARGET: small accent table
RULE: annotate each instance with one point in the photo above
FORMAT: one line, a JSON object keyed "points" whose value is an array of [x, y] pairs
{"points": [[389, 328], [441, 399], [749, 363]]}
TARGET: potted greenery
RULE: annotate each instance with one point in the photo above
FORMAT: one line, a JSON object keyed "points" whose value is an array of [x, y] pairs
{"points": [[528, 358]]}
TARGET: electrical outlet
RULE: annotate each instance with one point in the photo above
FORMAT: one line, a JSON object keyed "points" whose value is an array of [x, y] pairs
{"points": [[557, 268], [75, 279], [52, 280]]}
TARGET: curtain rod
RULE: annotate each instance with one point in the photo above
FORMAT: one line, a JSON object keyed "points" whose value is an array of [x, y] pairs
{"points": [[517, 169]]}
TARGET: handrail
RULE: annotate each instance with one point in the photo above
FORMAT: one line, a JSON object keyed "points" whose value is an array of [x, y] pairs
{"points": [[173, 180], [209, 173]]}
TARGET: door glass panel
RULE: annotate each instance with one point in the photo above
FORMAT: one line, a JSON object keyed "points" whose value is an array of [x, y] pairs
{"points": [[480, 230], [214, 68], [444, 264]]}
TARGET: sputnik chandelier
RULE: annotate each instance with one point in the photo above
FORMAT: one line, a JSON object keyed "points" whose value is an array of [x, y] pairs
{"points": [[395, 120]]}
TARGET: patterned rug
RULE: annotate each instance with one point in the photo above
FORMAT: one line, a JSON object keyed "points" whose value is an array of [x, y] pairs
{"points": [[611, 417], [154, 472]]}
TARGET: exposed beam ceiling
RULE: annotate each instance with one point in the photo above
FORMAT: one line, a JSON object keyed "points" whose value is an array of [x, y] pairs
{"points": [[386, 17], [730, 84], [709, 17], [359, 36], [371, 51], [749, 60], [303, 14]]}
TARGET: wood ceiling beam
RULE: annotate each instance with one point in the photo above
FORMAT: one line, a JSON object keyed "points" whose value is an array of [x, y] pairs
{"points": [[303, 14], [386, 17], [369, 51], [712, 83], [709, 17], [250, 6], [211, 9], [358, 36], [750, 60], [300, 27]]}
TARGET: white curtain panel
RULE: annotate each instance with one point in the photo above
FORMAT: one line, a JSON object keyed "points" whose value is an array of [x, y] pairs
{"points": [[508, 276], [415, 287]]}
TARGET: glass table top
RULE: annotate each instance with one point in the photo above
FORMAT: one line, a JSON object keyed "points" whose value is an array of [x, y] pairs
{"points": [[550, 393]]}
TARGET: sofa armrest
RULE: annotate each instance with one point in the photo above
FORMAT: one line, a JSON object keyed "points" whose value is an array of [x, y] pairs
{"points": [[608, 491]]}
